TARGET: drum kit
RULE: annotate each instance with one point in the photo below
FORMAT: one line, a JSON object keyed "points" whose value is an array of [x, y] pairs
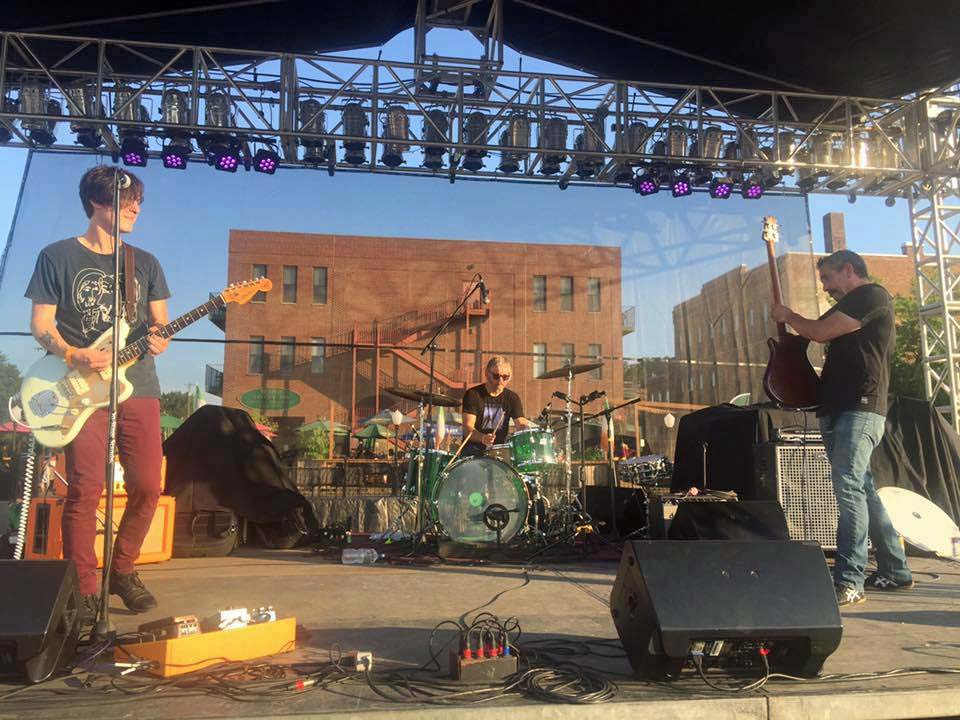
{"points": [[496, 498]]}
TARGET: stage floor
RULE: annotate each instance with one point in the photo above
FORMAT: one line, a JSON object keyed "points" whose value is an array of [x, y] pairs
{"points": [[390, 611]]}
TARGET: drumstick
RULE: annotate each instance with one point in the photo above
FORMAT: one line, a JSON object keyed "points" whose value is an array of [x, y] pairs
{"points": [[457, 453]]}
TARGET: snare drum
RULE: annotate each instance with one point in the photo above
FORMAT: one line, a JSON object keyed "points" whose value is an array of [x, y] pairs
{"points": [[434, 464], [469, 488], [532, 450]]}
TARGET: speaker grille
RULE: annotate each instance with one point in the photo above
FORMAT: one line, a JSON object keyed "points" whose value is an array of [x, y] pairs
{"points": [[801, 475]]}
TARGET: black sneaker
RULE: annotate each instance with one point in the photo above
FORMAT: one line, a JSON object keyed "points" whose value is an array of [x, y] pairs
{"points": [[847, 595], [131, 590], [876, 581], [87, 612]]}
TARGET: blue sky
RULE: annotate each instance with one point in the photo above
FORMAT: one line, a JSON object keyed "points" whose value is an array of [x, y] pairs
{"points": [[669, 246]]}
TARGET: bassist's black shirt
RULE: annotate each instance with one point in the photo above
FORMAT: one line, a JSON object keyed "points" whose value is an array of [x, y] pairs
{"points": [[79, 282], [856, 373]]}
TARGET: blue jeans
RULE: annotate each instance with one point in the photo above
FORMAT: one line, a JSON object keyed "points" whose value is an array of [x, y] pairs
{"points": [[850, 438]]}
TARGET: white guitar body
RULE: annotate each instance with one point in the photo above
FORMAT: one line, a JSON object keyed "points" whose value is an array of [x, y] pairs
{"points": [[57, 400]]}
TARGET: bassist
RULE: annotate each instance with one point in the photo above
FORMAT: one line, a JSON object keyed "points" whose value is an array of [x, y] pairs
{"points": [[72, 293]]}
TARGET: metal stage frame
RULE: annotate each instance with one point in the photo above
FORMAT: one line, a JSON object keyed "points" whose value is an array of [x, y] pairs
{"points": [[459, 119]]}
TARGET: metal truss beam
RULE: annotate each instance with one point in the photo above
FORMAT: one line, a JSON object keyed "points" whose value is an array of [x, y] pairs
{"points": [[478, 122]]}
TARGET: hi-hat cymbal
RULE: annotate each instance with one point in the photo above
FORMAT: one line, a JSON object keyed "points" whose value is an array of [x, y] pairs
{"points": [[562, 372], [423, 396]]}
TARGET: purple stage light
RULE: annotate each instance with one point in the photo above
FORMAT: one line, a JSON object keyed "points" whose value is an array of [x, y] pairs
{"points": [[721, 189], [680, 186], [645, 184], [133, 150], [751, 190], [266, 161]]}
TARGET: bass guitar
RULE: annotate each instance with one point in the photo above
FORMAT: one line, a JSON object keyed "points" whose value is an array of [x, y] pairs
{"points": [[789, 380], [57, 400]]}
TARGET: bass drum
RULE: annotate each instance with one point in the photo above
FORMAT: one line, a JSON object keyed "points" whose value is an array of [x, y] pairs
{"points": [[469, 488]]}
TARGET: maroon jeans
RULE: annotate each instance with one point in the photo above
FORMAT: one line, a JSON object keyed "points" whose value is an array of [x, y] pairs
{"points": [[138, 443]]}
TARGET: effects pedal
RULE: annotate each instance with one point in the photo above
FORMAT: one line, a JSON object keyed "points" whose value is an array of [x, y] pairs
{"points": [[171, 627]]}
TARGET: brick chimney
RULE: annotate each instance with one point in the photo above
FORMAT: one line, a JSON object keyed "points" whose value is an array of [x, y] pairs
{"points": [[834, 234]]}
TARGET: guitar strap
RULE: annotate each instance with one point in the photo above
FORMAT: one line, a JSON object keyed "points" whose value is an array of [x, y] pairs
{"points": [[129, 285]]}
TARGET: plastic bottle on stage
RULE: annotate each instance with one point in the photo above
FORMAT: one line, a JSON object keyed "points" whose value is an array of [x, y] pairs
{"points": [[359, 556]]}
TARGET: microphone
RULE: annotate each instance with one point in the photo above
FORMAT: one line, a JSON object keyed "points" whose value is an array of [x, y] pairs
{"points": [[123, 179], [562, 396], [545, 413], [596, 395], [484, 293]]}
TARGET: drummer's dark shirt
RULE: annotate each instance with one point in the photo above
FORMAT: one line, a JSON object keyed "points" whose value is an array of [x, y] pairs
{"points": [[492, 413]]}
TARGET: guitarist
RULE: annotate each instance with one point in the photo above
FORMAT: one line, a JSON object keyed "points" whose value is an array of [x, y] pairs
{"points": [[72, 293], [861, 333]]}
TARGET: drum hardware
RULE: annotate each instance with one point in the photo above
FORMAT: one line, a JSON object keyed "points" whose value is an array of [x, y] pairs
{"points": [[496, 517]]}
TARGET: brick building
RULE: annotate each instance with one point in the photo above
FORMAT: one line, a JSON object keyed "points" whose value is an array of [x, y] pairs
{"points": [[348, 315]]}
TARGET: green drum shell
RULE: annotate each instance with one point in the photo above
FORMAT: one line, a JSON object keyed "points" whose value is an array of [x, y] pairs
{"points": [[434, 464], [532, 450]]}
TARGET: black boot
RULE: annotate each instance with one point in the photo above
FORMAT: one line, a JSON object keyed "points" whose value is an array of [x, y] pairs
{"points": [[131, 590]]}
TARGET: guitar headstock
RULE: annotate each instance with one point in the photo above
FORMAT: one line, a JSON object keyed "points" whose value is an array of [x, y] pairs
{"points": [[243, 292], [771, 231]]}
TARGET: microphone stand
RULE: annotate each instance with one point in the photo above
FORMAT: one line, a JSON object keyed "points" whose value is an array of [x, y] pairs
{"points": [[432, 347], [101, 630]]}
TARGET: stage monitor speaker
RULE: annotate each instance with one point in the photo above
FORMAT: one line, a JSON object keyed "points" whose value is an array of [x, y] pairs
{"points": [[745, 520], [39, 617], [727, 600], [797, 475], [629, 503]]}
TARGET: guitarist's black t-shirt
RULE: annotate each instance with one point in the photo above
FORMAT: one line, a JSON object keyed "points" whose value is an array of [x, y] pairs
{"points": [[80, 283], [856, 373]]}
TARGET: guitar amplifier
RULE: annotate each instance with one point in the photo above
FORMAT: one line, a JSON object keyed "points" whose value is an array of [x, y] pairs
{"points": [[44, 540], [797, 475]]}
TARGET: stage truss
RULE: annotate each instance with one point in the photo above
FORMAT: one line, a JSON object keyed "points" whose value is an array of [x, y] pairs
{"points": [[450, 119]]}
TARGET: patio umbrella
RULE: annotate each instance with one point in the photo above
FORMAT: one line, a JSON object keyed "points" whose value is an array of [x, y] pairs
{"points": [[324, 426], [374, 431], [170, 422], [267, 432], [12, 427]]}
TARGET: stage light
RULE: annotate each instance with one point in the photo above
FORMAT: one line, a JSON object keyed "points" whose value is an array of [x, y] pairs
{"points": [[133, 151], [355, 124], [517, 135], [751, 189], [174, 107], [312, 120], [224, 157], [476, 135], [175, 154], [9, 106], [35, 100], [646, 184], [553, 137], [217, 110], [85, 105], [396, 127], [434, 132], [677, 141], [587, 166], [266, 161], [721, 188], [680, 185], [890, 201]]}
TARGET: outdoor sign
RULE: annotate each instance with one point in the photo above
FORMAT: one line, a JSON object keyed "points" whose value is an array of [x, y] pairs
{"points": [[270, 399]]}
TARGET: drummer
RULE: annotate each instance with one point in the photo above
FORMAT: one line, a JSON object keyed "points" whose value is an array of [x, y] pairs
{"points": [[488, 409]]}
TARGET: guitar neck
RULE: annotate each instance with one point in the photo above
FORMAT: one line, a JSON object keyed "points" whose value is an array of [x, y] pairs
{"points": [[775, 284], [135, 349]]}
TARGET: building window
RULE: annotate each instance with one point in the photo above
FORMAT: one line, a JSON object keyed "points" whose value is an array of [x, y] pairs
{"points": [[317, 353], [286, 353], [259, 271], [540, 293], [595, 353], [766, 313], [255, 354], [289, 283], [710, 329], [668, 396], [751, 316], [593, 294], [713, 379], [320, 286], [701, 381], [699, 336], [567, 353], [539, 359], [566, 294], [723, 326]]}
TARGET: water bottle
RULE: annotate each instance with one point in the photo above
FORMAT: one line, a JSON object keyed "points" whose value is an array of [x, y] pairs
{"points": [[359, 556]]}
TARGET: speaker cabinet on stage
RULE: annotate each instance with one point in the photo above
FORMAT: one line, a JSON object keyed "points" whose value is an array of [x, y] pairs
{"points": [[797, 475], [726, 600], [39, 616]]}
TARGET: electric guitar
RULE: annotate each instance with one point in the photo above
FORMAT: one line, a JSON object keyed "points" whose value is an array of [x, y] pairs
{"points": [[57, 400], [790, 380]]}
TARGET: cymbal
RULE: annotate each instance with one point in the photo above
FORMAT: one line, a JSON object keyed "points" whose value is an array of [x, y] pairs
{"points": [[562, 372], [437, 399]]}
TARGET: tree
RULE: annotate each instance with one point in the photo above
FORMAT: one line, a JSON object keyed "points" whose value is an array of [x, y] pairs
{"points": [[314, 443], [9, 384], [906, 374], [176, 403]]}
